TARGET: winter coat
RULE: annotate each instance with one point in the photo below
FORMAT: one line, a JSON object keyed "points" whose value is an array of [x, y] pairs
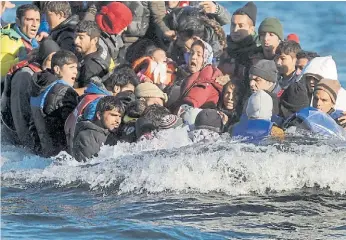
{"points": [[88, 140], [94, 64], [63, 34], [200, 88], [51, 101]]}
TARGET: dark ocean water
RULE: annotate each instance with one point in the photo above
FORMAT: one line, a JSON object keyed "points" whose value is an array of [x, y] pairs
{"points": [[169, 188]]}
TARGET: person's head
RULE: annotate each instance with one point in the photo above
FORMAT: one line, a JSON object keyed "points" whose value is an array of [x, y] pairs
{"points": [[64, 64], [229, 96], [201, 55], [151, 94], [260, 106], [209, 119], [57, 12], [157, 54], [123, 79], [114, 18], [109, 111], [293, 37], [286, 57], [243, 22], [46, 51], [28, 19], [303, 57], [263, 75], [271, 34], [189, 31], [87, 37], [325, 94]]}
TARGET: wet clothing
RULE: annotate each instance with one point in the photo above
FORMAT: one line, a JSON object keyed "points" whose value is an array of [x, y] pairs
{"points": [[94, 64], [20, 105], [64, 34], [52, 100], [88, 140]]}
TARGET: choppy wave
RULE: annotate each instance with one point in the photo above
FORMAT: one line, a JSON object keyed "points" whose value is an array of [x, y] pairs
{"points": [[171, 162]]}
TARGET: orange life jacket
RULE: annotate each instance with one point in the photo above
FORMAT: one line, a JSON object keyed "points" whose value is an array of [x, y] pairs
{"points": [[148, 61]]}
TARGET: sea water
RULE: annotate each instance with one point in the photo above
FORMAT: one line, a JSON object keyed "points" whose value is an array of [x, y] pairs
{"points": [[172, 188]]}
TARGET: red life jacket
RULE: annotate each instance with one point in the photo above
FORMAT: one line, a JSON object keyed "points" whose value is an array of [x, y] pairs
{"points": [[33, 66], [72, 120]]}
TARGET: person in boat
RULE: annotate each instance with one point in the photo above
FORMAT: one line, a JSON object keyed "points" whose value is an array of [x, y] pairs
{"points": [[229, 103], [191, 23], [208, 126], [113, 19], [155, 68], [95, 58], [257, 124], [200, 89], [52, 99], [90, 135], [319, 68], [151, 94], [293, 37], [285, 61], [120, 83], [303, 57], [18, 39], [62, 23], [15, 101], [263, 76], [155, 118], [325, 95], [271, 34], [242, 43]]}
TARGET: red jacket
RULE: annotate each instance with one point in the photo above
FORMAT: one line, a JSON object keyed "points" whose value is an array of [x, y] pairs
{"points": [[200, 87]]}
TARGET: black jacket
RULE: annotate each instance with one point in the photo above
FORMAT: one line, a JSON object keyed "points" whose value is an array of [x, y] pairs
{"points": [[63, 34], [275, 102], [88, 140], [49, 121], [94, 64]]}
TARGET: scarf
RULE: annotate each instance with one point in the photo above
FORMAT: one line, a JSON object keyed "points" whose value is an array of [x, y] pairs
{"points": [[32, 41]]}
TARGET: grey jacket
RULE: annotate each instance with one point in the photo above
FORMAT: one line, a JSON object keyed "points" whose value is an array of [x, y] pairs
{"points": [[88, 140]]}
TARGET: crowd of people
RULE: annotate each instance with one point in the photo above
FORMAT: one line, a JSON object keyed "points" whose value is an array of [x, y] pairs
{"points": [[79, 75]]}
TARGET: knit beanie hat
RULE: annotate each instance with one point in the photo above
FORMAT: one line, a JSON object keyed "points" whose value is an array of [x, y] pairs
{"points": [[293, 99], [209, 119], [265, 69], [331, 87], [249, 9], [148, 90], [272, 25], [170, 121], [260, 106], [47, 47], [114, 17], [293, 37]]}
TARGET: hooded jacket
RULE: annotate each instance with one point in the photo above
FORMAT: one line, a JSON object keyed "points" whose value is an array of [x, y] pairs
{"points": [[88, 140], [325, 67], [51, 101], [63, 34]]}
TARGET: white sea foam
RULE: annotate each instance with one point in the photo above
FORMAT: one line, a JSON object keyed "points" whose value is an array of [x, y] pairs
{"points": [[171, 162]]}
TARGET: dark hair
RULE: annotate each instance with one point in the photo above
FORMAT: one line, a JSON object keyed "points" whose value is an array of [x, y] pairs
{"points": [[109, 103], [58, 7], [136, 108], [151, 50], [121, 76], [288, 48], [89, 27], [199, 43], [63, 57], [155, 113], [306, 54], [21, 10], [242, 13]]}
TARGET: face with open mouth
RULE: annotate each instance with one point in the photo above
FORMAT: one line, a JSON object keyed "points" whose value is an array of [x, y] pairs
{"points": [[68, 72], [196, 58], [30, 23], [269, 41]]}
